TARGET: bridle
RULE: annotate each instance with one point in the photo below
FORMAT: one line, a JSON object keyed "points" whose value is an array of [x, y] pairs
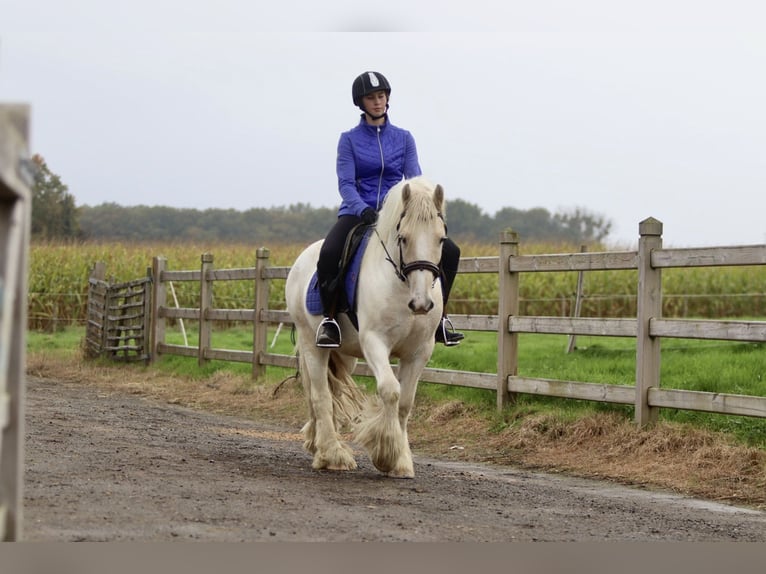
{"points": [[403, 269]]}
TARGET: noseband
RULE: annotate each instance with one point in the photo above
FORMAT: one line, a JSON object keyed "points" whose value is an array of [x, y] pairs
{"points": [[403, 269]]}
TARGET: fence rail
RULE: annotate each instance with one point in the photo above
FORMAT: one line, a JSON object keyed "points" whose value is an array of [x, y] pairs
{"points": [[648, 328]]}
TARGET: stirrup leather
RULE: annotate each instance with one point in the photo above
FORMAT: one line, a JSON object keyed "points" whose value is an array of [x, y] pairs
{"points": [[328, 334]]}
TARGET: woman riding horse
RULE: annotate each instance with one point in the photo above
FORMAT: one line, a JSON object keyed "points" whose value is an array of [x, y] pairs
{"points": [[372, 158], [398, 307]]}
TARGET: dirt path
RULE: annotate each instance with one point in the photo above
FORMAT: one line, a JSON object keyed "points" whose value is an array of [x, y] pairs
{"points": [[110, 466]]}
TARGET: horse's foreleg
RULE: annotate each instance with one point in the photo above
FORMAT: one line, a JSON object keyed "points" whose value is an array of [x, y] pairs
{"points": [[410, 369], [409, 373], [321, 435], [379, 431]]}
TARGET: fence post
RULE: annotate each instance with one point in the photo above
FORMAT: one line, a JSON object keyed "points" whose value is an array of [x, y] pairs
{"points": [[146, 329], [94, 330], [106, 322], [159, 296], [261, 304], [205, 303], [99, 271], [508, 305], [649, 307], [15, 225]]}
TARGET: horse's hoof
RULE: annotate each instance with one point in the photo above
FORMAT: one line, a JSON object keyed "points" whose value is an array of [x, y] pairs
{"points": [[402, 471], [404, 474], [339, 468], [335, 467], [342, 463]]}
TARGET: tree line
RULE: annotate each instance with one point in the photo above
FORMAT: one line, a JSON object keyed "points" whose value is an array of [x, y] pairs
{"points": [[56, 216]]}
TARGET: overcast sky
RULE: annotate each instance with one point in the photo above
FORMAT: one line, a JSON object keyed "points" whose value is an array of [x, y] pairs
{"points": [[625, 109]]}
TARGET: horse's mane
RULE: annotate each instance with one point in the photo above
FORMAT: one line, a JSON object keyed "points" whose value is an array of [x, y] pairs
{"points": [[420, 208]]}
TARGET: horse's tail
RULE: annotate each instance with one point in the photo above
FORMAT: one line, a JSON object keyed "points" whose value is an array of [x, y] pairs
{"points": [[348, 400]]}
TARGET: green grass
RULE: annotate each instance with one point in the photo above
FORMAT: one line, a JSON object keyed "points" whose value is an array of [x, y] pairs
{"points": [[64, 343], [712, 366]]}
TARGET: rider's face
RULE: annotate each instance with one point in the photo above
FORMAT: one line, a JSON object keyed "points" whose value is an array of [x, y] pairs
{"points": [[375, 103]]}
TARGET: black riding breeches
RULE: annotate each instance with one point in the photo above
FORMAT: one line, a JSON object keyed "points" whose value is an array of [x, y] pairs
{"points": [[449, 264], [328, 265], [332, 250]]}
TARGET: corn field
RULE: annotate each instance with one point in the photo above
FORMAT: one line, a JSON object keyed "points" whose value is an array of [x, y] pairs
{"points": [[58, 283]]}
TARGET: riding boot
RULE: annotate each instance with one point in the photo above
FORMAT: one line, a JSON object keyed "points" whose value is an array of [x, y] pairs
{"points": [[328, 332], [445, 332]]}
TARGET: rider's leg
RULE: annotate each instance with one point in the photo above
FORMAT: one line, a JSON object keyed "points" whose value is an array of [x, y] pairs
{"points": [[328, 332], [449, 264]]}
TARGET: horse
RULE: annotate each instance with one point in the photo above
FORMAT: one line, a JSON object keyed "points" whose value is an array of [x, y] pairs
{"points": [[398, 308]]}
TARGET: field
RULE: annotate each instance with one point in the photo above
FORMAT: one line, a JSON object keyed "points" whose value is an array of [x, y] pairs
{"points": [[58, 282]]}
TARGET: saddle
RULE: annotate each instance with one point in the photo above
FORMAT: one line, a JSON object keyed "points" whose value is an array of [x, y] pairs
{"points": [[348, 275]]}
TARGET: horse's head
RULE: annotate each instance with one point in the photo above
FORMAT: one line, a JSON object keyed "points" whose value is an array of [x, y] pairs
{"points": [[412, 221]]}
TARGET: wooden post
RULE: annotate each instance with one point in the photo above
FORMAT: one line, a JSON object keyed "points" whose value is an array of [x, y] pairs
{"points": [[105, 322], [15, 225], [508, 305], [205, 303], [99, 271], [146, 329], [260, 327], [649, 307], [159, 297], [96, 310]]}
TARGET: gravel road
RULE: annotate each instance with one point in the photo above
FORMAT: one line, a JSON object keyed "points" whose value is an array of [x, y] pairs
{"points": [[110, 466]]}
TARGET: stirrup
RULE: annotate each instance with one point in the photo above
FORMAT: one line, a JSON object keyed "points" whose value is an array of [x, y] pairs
{"points": [[445, 333], [328, 334]]}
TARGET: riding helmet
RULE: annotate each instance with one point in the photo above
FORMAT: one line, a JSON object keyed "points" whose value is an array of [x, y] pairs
{"points": [[367, 83]]}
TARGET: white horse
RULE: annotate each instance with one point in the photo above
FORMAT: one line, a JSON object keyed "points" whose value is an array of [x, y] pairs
{"points": [[399, 305]]}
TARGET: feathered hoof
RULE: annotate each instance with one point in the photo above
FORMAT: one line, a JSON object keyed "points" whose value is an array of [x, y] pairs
{"points": [[401, 467], [338, 458], [401, 473]]}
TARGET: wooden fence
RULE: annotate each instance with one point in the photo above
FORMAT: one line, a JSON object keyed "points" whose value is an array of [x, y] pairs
{"points": [[206, 314], [648, 328], [15, 217]]}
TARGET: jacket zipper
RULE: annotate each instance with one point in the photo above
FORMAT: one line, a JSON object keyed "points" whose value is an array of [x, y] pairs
{"points": [[382, 167]]}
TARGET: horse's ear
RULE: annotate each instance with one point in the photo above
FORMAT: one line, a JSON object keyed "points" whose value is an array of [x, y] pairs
{"points": [[406, 193], [439, 198]]}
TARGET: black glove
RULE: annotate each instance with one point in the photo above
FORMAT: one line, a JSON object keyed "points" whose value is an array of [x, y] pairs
{"points": [[369, 216]]}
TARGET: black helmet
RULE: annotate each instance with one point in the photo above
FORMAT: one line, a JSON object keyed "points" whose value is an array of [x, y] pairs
{"points": [[367, 83]]}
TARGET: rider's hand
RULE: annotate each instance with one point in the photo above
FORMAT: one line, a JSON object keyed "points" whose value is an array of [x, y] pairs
{"points": [[369, 216]]}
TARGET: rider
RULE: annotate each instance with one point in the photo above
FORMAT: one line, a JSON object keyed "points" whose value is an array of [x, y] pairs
{"points": [[372, 157]]}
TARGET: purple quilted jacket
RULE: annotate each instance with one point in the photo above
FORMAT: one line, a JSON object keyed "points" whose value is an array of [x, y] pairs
{"points": [[371, 160]]}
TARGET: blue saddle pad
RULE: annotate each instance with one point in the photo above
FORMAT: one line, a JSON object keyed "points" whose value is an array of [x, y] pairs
{"points": [[314, 303]]}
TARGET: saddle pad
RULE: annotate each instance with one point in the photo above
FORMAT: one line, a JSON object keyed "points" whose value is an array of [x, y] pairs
{"points": [[313, 301]]}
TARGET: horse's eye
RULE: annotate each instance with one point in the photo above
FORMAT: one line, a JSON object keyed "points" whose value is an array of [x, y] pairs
{"points": [[402, 240]]}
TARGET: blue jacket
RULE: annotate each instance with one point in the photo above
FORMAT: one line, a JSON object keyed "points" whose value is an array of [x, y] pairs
{"points": [[371, 160]]}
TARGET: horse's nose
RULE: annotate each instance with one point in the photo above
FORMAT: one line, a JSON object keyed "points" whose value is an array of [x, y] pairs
{"points": [[421, 309]]}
